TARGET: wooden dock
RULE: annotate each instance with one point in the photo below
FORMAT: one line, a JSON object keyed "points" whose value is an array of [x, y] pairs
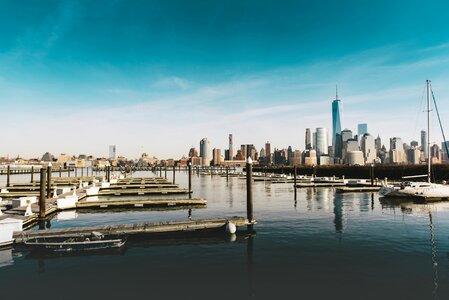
{"points": [[132, 229], [139, 203], [358, 189], [318, 185]]}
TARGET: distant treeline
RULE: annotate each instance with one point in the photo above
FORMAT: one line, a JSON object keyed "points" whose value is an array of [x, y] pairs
{"points": [[439, 172]]}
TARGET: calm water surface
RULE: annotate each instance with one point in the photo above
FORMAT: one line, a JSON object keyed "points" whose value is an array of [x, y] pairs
{"points": [[323, 246]]}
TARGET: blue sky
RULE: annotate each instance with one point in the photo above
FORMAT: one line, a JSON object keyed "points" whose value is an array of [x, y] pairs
{"points": [[157, 76]]}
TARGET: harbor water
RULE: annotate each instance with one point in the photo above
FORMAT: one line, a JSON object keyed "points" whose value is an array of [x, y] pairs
{"points": [[324, 245]]}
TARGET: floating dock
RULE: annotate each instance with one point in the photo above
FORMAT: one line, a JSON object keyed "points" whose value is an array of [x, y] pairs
{"points": [[132, 229], [358, 189]]}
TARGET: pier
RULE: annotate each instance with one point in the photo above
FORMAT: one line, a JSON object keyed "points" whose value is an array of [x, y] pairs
{"points": [[132, 229]]}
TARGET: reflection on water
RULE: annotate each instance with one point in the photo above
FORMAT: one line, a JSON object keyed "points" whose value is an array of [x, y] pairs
{"points": [[380, 243]]}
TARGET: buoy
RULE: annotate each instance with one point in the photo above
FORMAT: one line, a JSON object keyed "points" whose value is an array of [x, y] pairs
{"points": [[231, 228], [232, 237]]}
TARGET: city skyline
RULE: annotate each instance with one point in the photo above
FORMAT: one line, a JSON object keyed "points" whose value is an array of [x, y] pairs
{"points": [[158, 82]]}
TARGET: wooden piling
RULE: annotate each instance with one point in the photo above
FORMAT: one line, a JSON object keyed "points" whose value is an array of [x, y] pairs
{"points": [[174, 175], [32, 174], [68, 171], [82, 171], [42, 195], [76, 171], [371, 172], [249, 192], [49, 182], [60, 171], [8, 175], [165, 169], [294, 180], [190, 180]]}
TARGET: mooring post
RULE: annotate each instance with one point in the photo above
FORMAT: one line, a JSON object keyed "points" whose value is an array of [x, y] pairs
{"points": [[49, 181], [165, 169], [76, 171], [190, 180], [227, 173], [60, 171], [82, 171], [42, 195], [8, 174], [371, 172], [160, 171], [32, 174], [249, 192], [174, 174], [294, 180]]}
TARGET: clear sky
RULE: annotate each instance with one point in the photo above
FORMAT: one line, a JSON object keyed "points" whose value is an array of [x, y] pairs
{"points": [[157, 76]]}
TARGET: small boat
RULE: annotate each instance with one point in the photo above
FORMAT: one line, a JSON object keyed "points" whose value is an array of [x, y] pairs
{"points": [[91, 242]]}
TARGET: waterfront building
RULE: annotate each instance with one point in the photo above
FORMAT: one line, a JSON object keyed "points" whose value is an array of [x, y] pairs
{"points": [[435, 154], [336, 125], [362, 129], [349, 145], [297, 158], [368, 148], [268, 152], [112, 152], [324, 160], [280, 157], [205, 152], [196, 161], [424, 143], [216, 154], [310, 158], [239, 156], [397, 154], [321, 141], [308, 141], [226, 154], [231, 148], [413, 156], [355, 158]]}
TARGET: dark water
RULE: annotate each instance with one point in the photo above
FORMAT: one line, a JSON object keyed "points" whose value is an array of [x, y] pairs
{"points": [[324, 246]]}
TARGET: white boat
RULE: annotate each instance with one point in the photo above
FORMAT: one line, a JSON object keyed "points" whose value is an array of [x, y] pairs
{"points": [[426, 191]]}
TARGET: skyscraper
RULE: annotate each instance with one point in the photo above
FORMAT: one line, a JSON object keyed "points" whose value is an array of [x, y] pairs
{"points": [[361, 130], [368, 148], [231, 148], [112, 152], [321, 141], [205, 151], [424, 142], [336, 123], [268, 152], [308, 141]]}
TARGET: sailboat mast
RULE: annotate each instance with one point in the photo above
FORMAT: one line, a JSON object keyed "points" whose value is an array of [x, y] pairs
{"points": [[428, 130]]}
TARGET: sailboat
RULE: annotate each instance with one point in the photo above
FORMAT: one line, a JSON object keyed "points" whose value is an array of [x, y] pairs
{"points": [[426, 191]]}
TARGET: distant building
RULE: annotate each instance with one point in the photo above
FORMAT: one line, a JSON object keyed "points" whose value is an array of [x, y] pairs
{"points": [[355, 158], [193, 152], [308, 140], [362, 129], [321, 141], [348, 146], [368, 148], [205, 152], [268, 153], [424, 143], [47, 157], [413, 156], [112, 152], [336, 125], [435, 154], [310, 158], [231, 148], [378, 145], [397, 154], [216, 153], [196, 161]]}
